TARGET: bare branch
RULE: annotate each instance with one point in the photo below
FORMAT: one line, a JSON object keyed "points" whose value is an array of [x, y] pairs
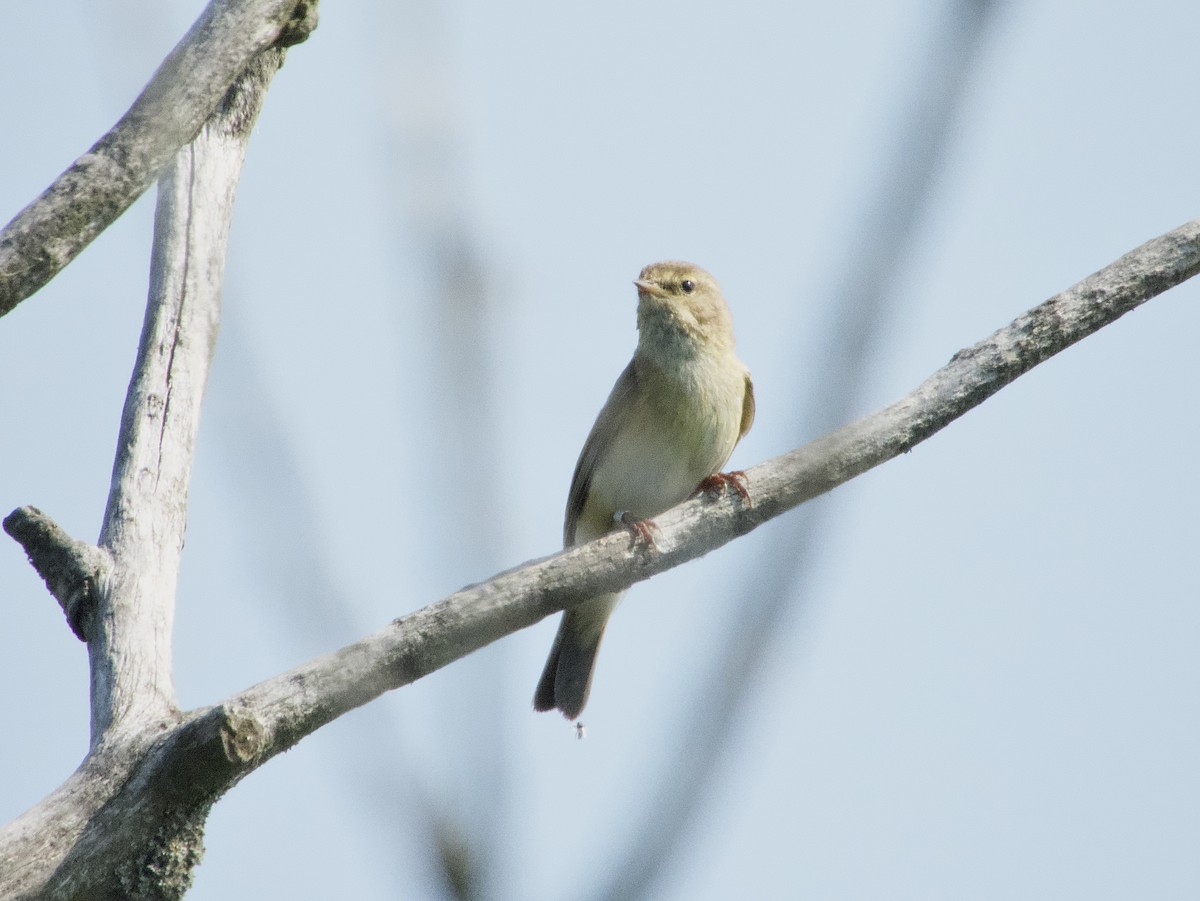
{"points": [[100, 185], [71, 569], [921, 132], [297, 702], [129, 822], [151, 790], [147, 505]]}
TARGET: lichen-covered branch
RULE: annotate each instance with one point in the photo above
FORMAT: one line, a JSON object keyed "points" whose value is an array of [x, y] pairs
{"points": [[100, 185]]}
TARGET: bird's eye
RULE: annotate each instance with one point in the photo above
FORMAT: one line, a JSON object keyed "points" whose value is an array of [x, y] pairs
{"points": [[687, 285]]}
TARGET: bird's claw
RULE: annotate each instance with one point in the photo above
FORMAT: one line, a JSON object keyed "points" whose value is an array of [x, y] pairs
{"points": [[639, 529], [720, 482]]}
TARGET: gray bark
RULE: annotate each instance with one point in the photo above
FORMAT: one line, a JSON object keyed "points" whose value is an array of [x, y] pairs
{"points": [[129, 821], [137, 810], [100, 185]]}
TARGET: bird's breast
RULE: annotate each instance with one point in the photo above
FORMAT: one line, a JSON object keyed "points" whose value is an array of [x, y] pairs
{"points": [[680, 431]]}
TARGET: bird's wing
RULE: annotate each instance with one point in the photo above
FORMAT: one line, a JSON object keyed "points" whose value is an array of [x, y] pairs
{"points": [[747, 408], [599, 442]]}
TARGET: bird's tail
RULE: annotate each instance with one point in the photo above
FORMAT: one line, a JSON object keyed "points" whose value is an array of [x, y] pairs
{"points": [[567, 678]]}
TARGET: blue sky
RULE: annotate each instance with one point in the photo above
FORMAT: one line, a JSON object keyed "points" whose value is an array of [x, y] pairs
{"points": [[985, 686]]}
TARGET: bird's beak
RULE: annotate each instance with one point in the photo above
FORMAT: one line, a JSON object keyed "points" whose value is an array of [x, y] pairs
{"points": [[648, 287]]}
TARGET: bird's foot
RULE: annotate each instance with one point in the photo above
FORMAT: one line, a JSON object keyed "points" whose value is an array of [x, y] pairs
{"points": [[639, 529], [718, 483]]}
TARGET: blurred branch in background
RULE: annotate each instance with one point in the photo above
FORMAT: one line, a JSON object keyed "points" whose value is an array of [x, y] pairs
{"points": [[451, 410], [455, 427], [465, 431], [859, 305], [449, 413], [288, 559], [272, 504]]}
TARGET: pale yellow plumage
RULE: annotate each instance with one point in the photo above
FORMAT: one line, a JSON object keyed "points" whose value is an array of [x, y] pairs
{"points": [[671, 421]]}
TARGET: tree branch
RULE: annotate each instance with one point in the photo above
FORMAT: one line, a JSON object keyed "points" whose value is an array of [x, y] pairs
{"points": [[129, 822], [77, 843], [71, 569], [147, 505], [100, 185], [919, 136], [297, 702]]}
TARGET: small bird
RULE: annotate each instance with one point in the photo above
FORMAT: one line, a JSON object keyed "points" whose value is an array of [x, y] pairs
{"points": [[667, 428]]}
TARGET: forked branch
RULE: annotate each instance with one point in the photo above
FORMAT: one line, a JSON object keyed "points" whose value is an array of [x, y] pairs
{"points": [[100, 185]]}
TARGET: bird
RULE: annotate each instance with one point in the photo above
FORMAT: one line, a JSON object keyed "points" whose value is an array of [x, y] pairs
{"points": [[669, 425]]}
